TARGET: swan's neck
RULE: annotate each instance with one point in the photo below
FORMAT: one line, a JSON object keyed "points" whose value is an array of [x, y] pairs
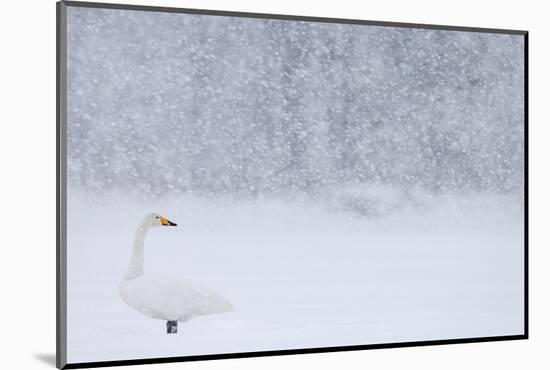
{"points": [[135, 268]]}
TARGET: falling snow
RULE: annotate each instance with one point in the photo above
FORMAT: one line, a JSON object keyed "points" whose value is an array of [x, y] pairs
{"points": [[340, 184]]}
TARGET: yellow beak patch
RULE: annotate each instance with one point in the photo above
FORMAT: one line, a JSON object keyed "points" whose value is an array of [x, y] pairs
{"points": [[164, 221]]}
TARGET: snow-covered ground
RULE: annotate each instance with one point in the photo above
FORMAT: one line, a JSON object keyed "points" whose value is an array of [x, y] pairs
{"points": [[299, 275]]}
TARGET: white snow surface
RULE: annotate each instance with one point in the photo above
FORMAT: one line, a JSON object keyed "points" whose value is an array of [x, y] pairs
{"points": [[299, 275]]}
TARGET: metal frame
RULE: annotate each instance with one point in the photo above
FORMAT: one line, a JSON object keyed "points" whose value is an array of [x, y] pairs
{"points": [[61, 190]]}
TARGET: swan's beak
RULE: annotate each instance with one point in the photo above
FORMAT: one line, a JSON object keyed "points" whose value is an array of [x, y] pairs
{"points": [[165, 222]]}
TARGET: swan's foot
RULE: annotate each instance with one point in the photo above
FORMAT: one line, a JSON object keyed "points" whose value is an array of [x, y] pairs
{"points": [[171, 327]]}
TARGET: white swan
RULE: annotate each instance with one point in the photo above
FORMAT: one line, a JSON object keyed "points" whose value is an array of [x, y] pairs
{"points": [[162, 298]]}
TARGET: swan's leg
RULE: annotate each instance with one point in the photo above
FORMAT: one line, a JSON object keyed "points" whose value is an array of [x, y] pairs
{"points": [[171, 327]]}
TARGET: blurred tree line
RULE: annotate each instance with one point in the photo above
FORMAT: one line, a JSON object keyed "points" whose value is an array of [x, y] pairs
{"points": [[173, 103]]}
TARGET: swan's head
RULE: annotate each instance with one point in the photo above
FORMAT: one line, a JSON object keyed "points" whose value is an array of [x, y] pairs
{"points": [[154, 219]]}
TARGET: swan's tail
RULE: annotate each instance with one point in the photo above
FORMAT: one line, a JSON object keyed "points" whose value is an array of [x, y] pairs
{"points": [[214, 302], [222, 305]]}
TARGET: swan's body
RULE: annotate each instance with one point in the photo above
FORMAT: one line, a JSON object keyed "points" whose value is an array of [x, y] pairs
{"points": [[170, 300], [163, 298]]}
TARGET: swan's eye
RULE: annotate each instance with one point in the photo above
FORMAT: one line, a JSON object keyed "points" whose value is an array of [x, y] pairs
{"points": [[157, 217]]}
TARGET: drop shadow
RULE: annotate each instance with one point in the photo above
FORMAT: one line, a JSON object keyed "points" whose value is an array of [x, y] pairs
{"points": [[47, 358]]}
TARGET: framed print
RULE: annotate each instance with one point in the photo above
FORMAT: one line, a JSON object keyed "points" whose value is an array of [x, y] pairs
{"points": [[237, 184]]}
